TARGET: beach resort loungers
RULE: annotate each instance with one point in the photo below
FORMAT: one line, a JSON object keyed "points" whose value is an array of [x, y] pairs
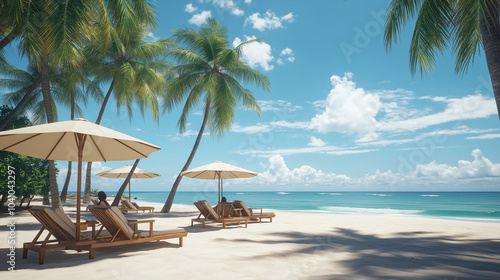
{"points": [[119, 231], [210, 215], [125, 231], [250, 212], [61, 228], [128, 206]]}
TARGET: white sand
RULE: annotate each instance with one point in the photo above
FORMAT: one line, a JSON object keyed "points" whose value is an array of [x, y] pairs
{"points": [[294, 246]]}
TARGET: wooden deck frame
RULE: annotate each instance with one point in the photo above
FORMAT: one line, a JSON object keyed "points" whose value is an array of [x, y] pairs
{"points": [[127, 206], [249, 212], [114, 224], [210, 216], [62, 238]]}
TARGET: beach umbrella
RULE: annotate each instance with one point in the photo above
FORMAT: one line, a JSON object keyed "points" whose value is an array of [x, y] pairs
{"points": [[218, 170], [122, 172], [75, 140]]}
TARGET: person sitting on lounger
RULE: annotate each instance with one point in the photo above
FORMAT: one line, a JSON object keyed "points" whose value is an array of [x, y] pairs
{"points": [[102, 198]]}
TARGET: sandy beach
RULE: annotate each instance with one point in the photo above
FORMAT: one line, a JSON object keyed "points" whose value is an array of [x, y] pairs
{"points": [[295, 245]]}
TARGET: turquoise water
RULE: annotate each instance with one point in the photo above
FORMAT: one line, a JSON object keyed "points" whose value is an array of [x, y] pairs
{"points": [[462, 205]]}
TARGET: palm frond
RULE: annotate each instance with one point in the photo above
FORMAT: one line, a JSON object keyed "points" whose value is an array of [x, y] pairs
{"points": [[431, 35], [399, 14]]}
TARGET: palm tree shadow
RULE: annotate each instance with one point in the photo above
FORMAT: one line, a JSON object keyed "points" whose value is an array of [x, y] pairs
{"points": [[406, 254]]}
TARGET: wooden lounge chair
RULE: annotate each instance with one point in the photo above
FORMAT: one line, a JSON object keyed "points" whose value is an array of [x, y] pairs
{"points": [[59, 226], [125, 232], [210, 215], [133, 207], [254, 215]]}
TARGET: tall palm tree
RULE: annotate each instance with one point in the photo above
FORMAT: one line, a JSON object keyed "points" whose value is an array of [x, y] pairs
{"points": [[23, 83], [135, 68], [466, 24], [209, 70], [53, 31]]}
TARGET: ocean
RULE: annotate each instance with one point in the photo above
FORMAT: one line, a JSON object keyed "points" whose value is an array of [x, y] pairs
{"points": [[483, 206]]}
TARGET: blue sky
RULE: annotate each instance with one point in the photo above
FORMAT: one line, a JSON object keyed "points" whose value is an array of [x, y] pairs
{"points": [[344, 114]]}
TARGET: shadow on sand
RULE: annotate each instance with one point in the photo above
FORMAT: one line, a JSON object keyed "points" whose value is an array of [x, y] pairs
{"points": [[410, 255]]}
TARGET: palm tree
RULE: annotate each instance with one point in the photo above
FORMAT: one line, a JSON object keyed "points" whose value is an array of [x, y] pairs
{"points": [[53, 31], [135, 69], [209, 70], [467, 24], [23, 83]]}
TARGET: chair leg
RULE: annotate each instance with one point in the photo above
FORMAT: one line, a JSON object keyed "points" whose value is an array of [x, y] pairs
{"points": [[91, 253], [41, 256], [25, 251], [180, 242]]}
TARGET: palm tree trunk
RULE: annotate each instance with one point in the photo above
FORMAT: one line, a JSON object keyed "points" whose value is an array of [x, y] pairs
{"points": [[9, 38], [21, 103], [44, 73], [118, 196], [170, 200], [490, 33], [88, 186], [64, 191]]}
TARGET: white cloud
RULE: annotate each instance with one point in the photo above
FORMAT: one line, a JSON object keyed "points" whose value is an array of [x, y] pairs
{"points": [[287, 51], [269, 20], [480, 170], [248, 1], [279, 174], [277, 105], [152, 37], [485, 136], [190, 9], [480, 167], [256, 53], [457, 109], [201, 18], [224, 3], [237, 12], [331, 150], [348, 109], [253, 129], [316, 142]]}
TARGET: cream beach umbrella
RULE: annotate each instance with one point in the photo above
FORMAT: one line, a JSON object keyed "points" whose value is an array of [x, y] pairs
{"points": [[122, 172], [218, 170], [75, 140]]}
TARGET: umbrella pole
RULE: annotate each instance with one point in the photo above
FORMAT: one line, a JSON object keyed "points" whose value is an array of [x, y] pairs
{"points": [[78, 195], [129, 191]]}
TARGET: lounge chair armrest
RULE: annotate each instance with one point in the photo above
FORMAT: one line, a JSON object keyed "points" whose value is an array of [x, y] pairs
{"points": [[251, 210], [140, 221], [136, 225]]}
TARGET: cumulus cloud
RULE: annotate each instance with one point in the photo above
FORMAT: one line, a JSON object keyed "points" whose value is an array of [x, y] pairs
{"points": [[480, 170], [201, 18], [287, 51], [190, 9], [237, 12], [256, 53], [480, 167], [287, 54], [224, 3], [316, 142], [269, 20], [248, 1], [348, 109], [279, 174]]}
